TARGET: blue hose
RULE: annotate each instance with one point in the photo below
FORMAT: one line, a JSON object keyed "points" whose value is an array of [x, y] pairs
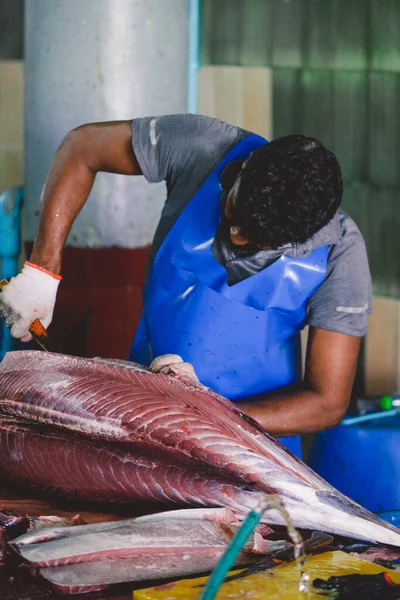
{"points": [[370, 417], [228, 560]]}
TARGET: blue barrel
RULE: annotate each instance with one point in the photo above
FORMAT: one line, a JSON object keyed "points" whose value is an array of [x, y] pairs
{"points": [[362, 460]]}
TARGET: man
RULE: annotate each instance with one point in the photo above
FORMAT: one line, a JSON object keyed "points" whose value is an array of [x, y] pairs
{"points": [[250, 247]]}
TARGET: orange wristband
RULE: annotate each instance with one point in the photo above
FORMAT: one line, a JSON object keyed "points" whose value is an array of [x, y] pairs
{"points": [[58, 277]]}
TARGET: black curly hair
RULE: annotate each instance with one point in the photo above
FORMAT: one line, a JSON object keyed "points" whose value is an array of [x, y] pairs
{"points": [[288, 190]]}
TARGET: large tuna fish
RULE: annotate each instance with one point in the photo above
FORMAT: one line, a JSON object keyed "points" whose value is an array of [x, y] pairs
{"points": [[116, 431]]}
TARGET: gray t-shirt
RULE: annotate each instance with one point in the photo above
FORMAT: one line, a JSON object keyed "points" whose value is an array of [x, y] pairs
{"points": [[184, 149]]}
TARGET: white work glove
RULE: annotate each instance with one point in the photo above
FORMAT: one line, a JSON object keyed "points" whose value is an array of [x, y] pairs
{"points": [[172, 363], [30, 295]]}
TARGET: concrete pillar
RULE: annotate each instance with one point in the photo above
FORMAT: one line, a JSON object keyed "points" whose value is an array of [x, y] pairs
{"points": [[100, 60], [88, 61]]}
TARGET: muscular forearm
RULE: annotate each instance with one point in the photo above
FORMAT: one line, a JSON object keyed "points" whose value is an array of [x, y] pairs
{"points": [[67, 187], [296, 412], [84, 152], [322, 400]]}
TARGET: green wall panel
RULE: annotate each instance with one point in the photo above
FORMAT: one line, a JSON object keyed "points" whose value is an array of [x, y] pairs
{"points": [[383, 241], [384, 128], [255, 33], [317, 105], [236, 32], [288, 29], [287, 102], [376, 212], [318, 39], [336, 34], [385, 34], [356, 199], [350, 132], [221, 32], [11, 29], [350, 34]]}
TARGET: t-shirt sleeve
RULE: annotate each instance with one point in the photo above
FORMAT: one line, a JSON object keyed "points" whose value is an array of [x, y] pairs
{"points": [[169, 145], [344, 300]]}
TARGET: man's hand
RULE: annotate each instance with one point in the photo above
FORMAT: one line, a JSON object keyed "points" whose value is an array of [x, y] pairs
{"points": [[30, 295], [172, 363]]}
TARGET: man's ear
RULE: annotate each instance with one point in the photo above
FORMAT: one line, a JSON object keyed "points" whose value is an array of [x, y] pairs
{"points": [[236, 237]]}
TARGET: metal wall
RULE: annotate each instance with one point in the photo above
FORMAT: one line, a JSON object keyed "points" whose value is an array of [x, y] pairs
{"points": [[336, 73], [99, 60], [11, 29]]}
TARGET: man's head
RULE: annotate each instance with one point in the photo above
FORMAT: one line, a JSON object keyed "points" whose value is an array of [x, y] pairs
{"points": [[286, 192]]}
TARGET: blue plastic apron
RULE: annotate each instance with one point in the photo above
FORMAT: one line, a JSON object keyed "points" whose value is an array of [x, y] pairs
{"points": [[243, 339]]}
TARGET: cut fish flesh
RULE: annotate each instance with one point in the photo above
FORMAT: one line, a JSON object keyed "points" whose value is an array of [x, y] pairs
{"points": [[109, 416]]}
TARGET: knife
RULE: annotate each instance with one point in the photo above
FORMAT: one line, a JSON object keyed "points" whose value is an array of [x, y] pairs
{"points": [[37, 331]]}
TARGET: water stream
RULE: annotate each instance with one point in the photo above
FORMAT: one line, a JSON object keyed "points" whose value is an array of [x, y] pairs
{"points": [[268, 502], [273, 502]]}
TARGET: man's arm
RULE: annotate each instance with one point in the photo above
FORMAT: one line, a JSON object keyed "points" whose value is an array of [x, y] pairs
{"points": [[324, 396], [84, 152]]}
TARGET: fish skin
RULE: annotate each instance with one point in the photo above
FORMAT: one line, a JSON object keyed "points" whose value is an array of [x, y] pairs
{"points": [[189, 515], [14, 525], [217, 515], [91, 557], [188, 423], [84, 577], [130, 539]]}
